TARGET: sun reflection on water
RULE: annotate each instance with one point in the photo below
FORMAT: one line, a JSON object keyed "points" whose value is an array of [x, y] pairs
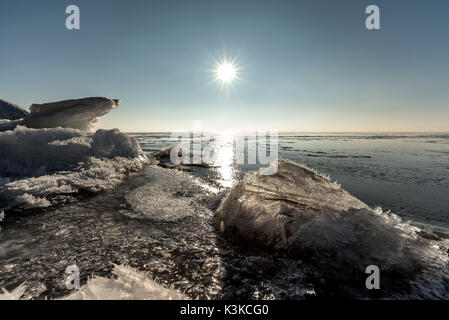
{"points": [[224, 158]]}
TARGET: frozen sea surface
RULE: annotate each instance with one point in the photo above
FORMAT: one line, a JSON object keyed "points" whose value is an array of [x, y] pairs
{"points": [[160, 222]]}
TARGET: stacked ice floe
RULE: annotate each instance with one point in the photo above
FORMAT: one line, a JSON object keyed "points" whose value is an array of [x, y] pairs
{"points": [[75, 113], [48, 153]]}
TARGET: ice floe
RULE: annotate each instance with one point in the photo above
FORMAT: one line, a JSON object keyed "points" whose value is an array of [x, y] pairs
{"points": [[75, 113]]}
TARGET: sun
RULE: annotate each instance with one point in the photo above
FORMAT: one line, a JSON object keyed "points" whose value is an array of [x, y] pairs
{"points": [[226, 72]]}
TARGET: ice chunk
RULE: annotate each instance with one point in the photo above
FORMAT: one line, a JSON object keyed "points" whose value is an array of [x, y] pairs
{"points": [[75, 113], [303, 214], [11, 111], [113, 143], [36, 163], [266, 207], [130, 284], [32, 152]]}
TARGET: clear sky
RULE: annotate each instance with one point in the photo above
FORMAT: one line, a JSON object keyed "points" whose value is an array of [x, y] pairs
{"points": [[303, 65]]}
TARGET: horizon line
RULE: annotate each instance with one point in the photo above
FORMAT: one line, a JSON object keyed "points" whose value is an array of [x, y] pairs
{"points": [[336, 132]]}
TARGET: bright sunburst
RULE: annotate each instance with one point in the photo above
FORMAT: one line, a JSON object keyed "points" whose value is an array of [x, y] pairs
{"points": [[226, 72]]}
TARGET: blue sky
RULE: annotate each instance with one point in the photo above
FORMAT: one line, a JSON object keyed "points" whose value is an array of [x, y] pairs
{"points": [[304, 65]]}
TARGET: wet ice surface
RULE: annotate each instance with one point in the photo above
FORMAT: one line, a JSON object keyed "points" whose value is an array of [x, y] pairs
{"points": [[130, 225]]}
